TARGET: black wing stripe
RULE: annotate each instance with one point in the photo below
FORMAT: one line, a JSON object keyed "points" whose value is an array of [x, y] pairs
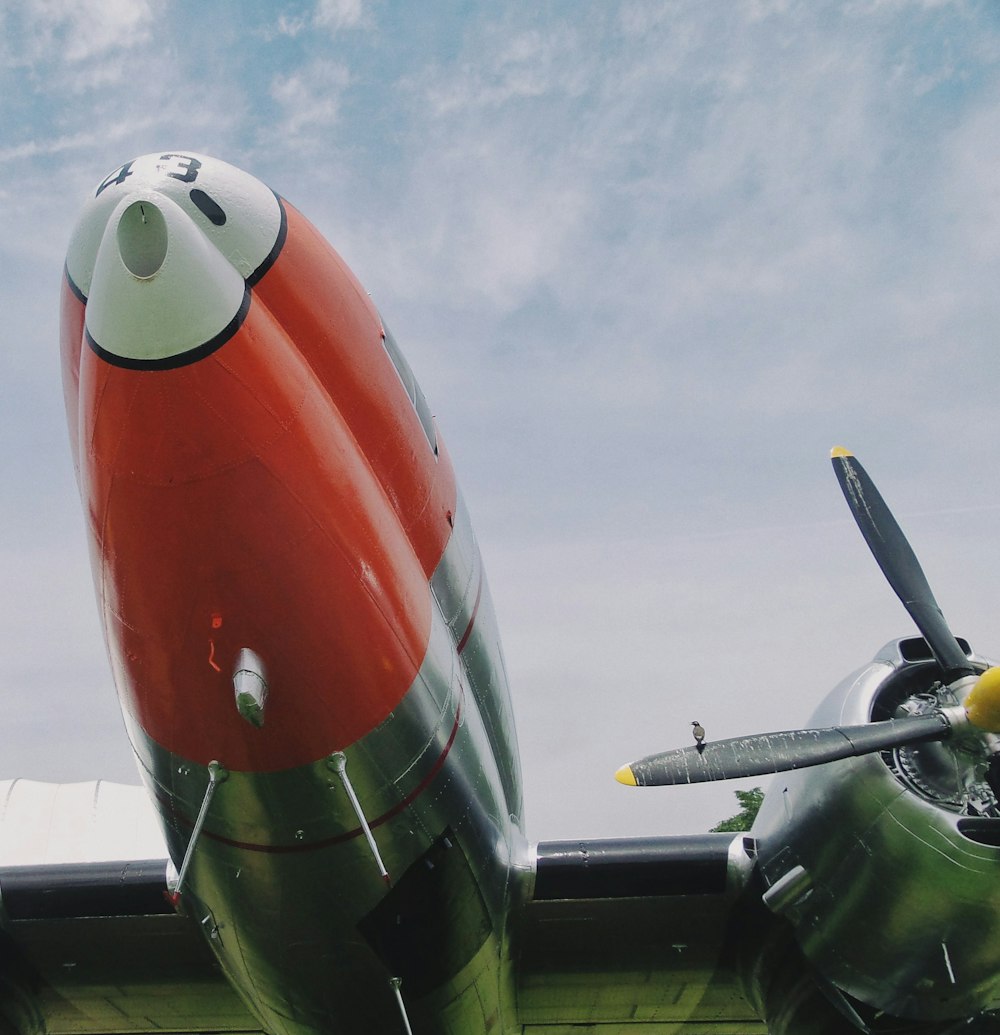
{"points": [[633, 867], [64, 891]]}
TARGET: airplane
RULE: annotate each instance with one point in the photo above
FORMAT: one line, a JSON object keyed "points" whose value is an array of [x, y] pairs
{"points": [[329, 835]]}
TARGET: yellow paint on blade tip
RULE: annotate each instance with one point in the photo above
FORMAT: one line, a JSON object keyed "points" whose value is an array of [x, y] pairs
{"points": [[839, 451], [983, 703], [626, 776]]}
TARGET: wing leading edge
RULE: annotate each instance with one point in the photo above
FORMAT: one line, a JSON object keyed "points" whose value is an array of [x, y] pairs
{"points": [[90, 945], [634, 936]]}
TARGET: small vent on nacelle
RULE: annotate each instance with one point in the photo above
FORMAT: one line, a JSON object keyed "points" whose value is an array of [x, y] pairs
{"points": [[915, 648], [981, 829]]}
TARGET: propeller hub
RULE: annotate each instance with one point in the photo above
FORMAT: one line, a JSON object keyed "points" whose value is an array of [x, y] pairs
{"points": [[983, 702]]}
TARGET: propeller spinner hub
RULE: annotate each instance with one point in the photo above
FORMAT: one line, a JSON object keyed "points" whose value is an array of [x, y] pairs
{"points": [[983, 702]]}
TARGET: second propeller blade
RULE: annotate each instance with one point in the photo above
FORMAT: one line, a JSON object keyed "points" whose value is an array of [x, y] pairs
{"points": [[899, 563], [778, 752]]}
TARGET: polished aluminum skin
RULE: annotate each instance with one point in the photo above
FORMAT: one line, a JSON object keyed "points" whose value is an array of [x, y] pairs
{"points": [[288, 889]]}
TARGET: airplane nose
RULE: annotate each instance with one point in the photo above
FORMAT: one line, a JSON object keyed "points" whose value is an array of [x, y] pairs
{"points": [[162, 294]]}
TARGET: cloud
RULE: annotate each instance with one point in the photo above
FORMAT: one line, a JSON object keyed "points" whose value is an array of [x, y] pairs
{"points": [[334, 15], [328, 15], [76, 30], [532, 64], [309, 100], [89, 139]]}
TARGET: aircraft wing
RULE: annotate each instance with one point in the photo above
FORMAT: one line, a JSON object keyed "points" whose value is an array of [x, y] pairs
{"points": [[633, 935], [618, 935], [88, 942]]}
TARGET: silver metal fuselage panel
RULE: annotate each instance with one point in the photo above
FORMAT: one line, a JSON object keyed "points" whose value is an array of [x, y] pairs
{"points": [[286, 887]]}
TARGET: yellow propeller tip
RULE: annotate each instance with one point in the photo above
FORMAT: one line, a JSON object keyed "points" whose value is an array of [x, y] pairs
{"points": [[839, 451], [983, 703], [626, 776]]}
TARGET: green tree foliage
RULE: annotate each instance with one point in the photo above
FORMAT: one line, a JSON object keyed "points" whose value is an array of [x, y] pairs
{"points": [[750, 802]]}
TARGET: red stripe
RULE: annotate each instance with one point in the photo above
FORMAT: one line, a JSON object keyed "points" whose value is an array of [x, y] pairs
{"points": [[472, 621], [348, 835]]}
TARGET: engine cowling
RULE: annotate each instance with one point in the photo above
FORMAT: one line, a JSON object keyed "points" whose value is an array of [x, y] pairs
{"points": [[869, 855]]}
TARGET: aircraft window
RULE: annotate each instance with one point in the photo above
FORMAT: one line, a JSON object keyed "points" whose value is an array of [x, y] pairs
{"points": [[412, 388]]}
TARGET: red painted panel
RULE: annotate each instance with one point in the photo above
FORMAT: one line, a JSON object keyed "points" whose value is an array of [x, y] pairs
{"points": [[265, 496], [321, 305]]}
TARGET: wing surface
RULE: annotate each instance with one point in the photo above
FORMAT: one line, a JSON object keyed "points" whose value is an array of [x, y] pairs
{"points": [[628, 936], [635, 937], [88, 943]]}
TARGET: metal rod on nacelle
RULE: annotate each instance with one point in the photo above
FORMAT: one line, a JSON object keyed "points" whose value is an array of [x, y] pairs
{"points": [[216, 775], [338, 762], [395, 984], [947, 963]]}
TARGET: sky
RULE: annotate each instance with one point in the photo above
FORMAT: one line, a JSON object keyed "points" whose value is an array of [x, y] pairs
{"points": [[649, 261]]}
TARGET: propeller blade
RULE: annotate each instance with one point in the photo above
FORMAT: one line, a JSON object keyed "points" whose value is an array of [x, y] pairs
{"points": [[778, 752], [899, 563]]}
